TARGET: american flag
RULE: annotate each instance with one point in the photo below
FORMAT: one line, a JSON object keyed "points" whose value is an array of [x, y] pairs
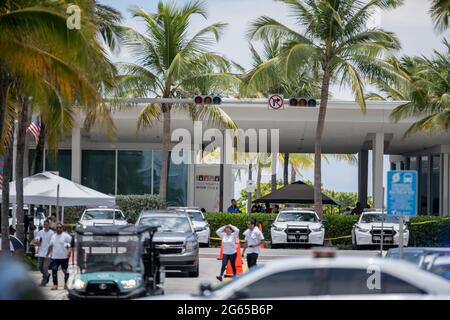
{"points": [[35, 130]]}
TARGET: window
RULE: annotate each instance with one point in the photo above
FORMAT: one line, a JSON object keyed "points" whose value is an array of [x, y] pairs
{"points": [[423, 185], [292, 283], [354, 281], [134, 172], [98, 170], [61, 164], [435, 184]]}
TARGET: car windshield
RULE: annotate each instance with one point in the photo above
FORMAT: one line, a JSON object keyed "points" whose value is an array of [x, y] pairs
{"points": [[413, 257], [167, 224], [377, 217], [102, 215], [441, 268], [108, 253], [297, 216], [196, 216]]}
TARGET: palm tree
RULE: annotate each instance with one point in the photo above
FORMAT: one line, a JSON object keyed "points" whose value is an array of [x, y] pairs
{"points": [[169, 64], [440, 13], [428, 93], [59, 69], [336, 41]]}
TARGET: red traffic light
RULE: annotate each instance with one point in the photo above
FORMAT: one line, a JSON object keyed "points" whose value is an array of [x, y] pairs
{"points": [[293, 102], [198, 100]]}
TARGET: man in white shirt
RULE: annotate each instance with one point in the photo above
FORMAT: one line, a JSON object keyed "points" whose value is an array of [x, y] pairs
{"points": [[59, 250], [43, 238], [253, 239]]}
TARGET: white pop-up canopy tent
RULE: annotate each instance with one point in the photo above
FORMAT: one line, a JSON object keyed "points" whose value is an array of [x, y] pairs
{"points": [[49, 189]]}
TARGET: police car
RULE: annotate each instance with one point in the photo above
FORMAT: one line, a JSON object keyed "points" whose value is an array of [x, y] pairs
{"points": [[368, 230], [102, 216], [297, 226]]}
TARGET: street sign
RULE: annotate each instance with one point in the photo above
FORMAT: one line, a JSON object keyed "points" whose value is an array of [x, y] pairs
{"points": [[276, 102], [402, 193], [250, 186]]}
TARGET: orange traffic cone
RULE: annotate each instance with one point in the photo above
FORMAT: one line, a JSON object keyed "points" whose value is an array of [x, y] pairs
{"points": [[261, 229], [239, 269]]}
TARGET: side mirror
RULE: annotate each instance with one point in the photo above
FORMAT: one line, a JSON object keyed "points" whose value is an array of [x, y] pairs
{"points": [[198, 229], [324, 222]]}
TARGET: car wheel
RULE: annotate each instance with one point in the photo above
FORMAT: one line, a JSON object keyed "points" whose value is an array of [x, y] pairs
{"points": [[195, 273]]}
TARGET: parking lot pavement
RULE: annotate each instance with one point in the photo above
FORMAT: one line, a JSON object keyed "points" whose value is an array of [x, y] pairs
{"points": [[209, 269]]}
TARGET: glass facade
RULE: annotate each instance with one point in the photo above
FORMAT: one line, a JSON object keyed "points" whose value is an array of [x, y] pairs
{"points": [[134, 173], [138, 172], [62, 163], [98, 170], [429, 174]]}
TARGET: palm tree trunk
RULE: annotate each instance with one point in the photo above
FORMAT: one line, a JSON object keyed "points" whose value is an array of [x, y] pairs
{"points": [[4, 84], [38, 161], [258, 182], [21, 135], [318, 145], [286, 169], [293, 175], [7, 168], [165, 153]]}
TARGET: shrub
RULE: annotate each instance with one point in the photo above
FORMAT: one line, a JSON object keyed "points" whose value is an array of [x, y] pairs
{"points": [[132, 205], [426, 231]]}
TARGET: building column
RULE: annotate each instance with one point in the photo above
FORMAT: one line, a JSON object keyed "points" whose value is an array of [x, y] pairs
{"points": [[377, 169], [76, 154], [445, 185], [363, 174]]}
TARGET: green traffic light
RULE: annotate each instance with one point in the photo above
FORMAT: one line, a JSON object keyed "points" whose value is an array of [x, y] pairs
{"points": [[217, 100], [312, 103]]}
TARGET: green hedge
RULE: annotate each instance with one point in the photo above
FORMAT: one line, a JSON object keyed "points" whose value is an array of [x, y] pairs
{"points": [[424, 231], [132, 205]]}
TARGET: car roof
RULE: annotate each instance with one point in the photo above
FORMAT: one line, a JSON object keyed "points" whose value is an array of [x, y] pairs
{"points": [[400, 269], [102, 209], [168, 213], [441, 260], [310, 210]]}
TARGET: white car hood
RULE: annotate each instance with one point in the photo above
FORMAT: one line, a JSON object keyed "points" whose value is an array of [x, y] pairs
{"points": [[378, 225], [313, 225], [103, 222]]}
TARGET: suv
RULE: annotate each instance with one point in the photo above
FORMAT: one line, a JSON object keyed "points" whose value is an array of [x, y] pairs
{"points": [[102, 217], [201, 226], [175, 240], [297, 226], [367, 230]]}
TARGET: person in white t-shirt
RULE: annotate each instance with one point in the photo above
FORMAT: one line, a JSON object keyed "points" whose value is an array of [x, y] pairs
{"points": [[253, 239], [229, 235], [43, 238], [59, 250]]}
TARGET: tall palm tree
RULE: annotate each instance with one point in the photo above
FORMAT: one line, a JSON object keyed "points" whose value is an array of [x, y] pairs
{"points": [[169, 64], [440, 13], [428, 93], [335, 40], [57, 67]]}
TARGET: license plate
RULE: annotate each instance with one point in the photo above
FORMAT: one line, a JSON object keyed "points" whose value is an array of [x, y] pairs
{"points": [[291, 237], [387, 238]]}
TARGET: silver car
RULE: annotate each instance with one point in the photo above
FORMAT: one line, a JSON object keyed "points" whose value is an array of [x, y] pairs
{"points": [[175, 239], [201, 225]]}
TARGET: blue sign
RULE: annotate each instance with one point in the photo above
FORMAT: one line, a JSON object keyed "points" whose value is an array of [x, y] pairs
{"points": [[402, 193]]}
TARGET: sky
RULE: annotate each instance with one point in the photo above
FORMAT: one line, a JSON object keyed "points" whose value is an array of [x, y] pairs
{"points": [[410, 22]]}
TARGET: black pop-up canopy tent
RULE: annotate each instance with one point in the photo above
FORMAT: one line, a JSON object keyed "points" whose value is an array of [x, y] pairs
{"points": [[297, 192]]}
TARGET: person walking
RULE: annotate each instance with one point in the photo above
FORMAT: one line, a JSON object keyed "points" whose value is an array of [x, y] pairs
{"points": [[229, 235], [59, 251], [253, 239], [42, 239]]}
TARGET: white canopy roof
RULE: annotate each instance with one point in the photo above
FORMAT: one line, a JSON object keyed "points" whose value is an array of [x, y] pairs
{"points": [[42, 189]]}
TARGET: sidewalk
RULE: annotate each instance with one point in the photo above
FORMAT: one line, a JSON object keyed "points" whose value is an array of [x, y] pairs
{"points": [[59, 294]]}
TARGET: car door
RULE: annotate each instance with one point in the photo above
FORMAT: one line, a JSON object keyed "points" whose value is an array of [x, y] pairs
{"points": [[284, 284], [352, 281]]}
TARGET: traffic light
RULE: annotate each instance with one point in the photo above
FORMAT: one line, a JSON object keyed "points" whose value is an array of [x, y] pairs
{"points": [[293, 102], [312, 103], [208, 100], [301, 102]]}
